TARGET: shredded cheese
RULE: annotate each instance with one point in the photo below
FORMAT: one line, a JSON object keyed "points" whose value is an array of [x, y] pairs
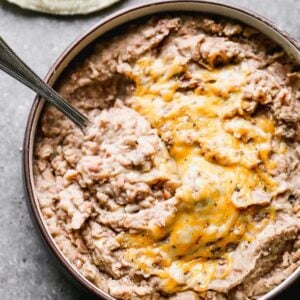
{"points": [[217, 157]]}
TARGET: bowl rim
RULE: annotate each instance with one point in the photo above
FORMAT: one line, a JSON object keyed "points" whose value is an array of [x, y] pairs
{"points": [[35, 112]]}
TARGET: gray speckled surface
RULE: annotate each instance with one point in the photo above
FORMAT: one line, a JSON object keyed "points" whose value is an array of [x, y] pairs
{"points": [[26, 272]]}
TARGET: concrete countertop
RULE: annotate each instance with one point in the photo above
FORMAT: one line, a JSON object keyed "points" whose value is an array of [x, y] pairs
{"points": [[26, 271]]}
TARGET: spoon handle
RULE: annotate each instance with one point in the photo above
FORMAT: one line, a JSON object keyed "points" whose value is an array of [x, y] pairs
{"points": [[15, 67]]}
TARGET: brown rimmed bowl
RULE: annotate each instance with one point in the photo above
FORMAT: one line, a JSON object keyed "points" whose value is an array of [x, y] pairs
{"points": [[106, 25]]}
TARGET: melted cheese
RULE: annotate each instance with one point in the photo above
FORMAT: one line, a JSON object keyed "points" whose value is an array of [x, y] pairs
{"points": [[216, 156]]}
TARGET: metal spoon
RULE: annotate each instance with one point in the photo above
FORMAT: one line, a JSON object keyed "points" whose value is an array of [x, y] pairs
{"points": [[15, 67]]}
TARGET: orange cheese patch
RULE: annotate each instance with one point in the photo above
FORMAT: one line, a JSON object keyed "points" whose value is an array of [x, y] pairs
{"points": [[218, 158]]}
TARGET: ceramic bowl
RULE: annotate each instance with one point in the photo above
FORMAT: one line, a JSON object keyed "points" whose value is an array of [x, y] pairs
{"points": [[265, 26]]}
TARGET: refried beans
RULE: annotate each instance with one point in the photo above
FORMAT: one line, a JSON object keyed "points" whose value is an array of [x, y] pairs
{"points": [[187, 184]]}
